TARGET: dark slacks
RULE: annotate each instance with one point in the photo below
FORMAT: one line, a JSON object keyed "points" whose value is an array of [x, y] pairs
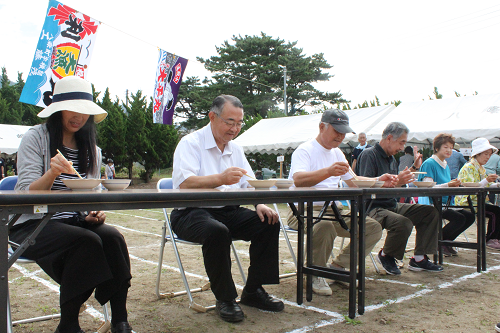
{"points": [[399, 224], [493, 214], [79, 256], [459, 221], [215, 228]]}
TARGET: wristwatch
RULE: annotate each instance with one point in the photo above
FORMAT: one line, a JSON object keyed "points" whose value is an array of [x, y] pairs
{"points": [[414, 167]]}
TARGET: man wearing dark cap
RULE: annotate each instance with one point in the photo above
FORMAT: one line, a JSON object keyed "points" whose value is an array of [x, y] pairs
{"points": [[320, 163]]}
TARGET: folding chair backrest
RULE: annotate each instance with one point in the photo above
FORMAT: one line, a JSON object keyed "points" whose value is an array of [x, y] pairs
{"points": [[8, 183], [165, 184]]}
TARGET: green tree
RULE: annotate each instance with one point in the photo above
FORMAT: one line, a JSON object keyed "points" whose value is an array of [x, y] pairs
{"points": [[161, 141], [436, 93], [112, 131], [136, 137], [251, 68], [29, 112]]}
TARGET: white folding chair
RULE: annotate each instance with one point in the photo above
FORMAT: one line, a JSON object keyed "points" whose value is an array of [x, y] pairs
{"points": [[163, 184], [286, 229], [8, 184]]}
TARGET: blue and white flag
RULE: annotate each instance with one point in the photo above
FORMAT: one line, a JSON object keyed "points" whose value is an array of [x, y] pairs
{"points": [[64, 49]]}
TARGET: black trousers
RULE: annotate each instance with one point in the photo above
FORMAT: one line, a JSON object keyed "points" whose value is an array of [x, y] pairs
{"points": [[79, 256], [459, 221], [215, 228], [493, 214]]}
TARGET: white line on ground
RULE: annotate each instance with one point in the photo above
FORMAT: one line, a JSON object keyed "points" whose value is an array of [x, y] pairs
{"points": [[90, 310], [458, 265], [415, 285], [134, 230], [398, 300], [137, 216]]}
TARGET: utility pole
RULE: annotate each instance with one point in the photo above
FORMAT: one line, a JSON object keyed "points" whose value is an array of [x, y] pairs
{"points": [[284, 92]]}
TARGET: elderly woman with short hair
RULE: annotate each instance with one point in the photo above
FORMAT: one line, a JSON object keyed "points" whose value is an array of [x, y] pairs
{"points": [[437, 170], [474, 171]]}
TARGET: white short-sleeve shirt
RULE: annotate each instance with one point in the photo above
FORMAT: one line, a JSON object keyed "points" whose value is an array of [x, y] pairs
{"points": [[311, 156], [197, 154]]}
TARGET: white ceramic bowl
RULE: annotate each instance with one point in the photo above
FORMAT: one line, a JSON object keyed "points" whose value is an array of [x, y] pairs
{"points": [[283, 183], [364, 183], [81, 184], [378, 184], [470, 184], [424, 184], [116, 184], [262, 183]]}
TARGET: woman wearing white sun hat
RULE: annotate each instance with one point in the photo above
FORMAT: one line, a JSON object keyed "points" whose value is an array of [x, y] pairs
{"points": [[473, 171], [76, 249]]}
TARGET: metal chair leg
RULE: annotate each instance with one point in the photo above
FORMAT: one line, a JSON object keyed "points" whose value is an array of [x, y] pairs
{"points": [[285, 234], [236, 257], [160, 259]]}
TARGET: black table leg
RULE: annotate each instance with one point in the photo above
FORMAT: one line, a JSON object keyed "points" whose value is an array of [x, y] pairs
{"points": [[481, 231], [4, 286], [353, 264], [300, 253], [309, 249], [438, 204], [361, 221]]}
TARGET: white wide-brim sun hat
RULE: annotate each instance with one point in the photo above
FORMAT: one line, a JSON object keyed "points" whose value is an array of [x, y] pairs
{"points": [[72, 93], [481, 144]]}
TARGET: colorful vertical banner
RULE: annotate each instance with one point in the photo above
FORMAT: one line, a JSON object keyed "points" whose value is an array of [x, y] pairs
{"points": [[64, 49], [169, 74]]}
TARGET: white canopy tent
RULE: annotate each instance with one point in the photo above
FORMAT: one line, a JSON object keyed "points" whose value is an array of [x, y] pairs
{"points": [[279, 135], [466, 118], [10, 137]]}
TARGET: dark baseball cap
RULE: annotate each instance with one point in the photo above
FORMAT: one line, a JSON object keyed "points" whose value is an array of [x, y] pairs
{"points": [[338, 119]]}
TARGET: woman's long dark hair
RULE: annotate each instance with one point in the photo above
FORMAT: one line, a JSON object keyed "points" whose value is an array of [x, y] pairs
{"points": [[85, 140]]}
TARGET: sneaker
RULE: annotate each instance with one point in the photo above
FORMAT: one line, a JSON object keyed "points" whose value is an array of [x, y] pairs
{"points": [[320, 286], [388, 263], [449, 251], [497, 327], [424, 265], [493, 244]]}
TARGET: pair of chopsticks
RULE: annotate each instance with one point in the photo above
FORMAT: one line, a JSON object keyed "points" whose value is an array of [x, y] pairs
{"points": [[245, 174], [71, 165], [353, 174]]}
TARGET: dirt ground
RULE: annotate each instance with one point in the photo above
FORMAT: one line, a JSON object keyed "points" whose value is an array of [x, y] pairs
{"points": [[456, 300]]}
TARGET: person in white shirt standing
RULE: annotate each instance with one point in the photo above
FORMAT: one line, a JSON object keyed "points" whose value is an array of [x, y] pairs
{"points": [[208, 158], [320, 163]]}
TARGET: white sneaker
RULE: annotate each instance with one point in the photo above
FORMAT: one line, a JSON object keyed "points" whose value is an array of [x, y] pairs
{"points": [[320, 286]]}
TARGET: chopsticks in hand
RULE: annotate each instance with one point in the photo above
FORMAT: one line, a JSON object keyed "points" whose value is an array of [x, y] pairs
{"points": [[71, 165], [353, 174], [245, 174]]}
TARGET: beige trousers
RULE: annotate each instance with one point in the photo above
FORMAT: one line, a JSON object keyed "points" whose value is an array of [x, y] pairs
{"points": [[324, 233]]}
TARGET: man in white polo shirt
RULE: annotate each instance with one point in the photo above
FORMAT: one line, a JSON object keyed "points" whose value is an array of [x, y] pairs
{"points": [[320, 163], [208, 158]]}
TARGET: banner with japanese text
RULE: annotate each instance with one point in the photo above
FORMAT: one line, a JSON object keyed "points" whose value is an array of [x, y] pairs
{"points": [[64, 49], [169, 74]]}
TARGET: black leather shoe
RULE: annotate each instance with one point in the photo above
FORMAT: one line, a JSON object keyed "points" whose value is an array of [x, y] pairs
{"points": [[229, 311], [121, 327], [260, 299]]}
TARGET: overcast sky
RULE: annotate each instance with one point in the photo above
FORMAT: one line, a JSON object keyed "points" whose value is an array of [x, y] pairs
{"points": [[392, 49]]}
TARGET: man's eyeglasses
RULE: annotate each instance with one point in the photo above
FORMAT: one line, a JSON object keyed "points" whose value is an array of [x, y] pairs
{"points": [[232, 123]]}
